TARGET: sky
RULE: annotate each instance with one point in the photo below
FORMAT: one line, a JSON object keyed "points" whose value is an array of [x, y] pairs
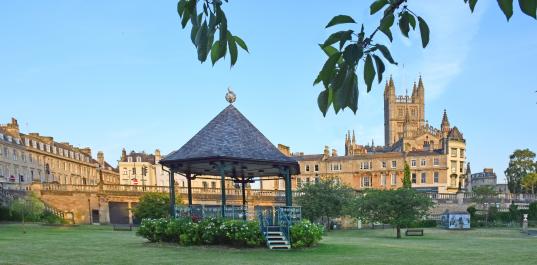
{"points": [[123, 74]]}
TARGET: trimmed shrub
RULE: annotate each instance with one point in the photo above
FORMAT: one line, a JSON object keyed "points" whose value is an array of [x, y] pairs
{"points": [[206, 232], [305, 234], [532, 211]]}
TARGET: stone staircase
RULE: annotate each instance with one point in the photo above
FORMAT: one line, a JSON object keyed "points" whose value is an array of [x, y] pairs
{"points": [[276, 240]]}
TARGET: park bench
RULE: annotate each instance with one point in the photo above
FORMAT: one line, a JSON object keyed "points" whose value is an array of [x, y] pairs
{"points": [[122, 227], [414, 232]]}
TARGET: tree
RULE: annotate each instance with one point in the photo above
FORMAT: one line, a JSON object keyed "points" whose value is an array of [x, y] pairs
{"points": [[29, 207], [407, 183], [399, 207], [482, 193], [529, 182], [338, 74], [521, 163], [324, 200], [153, 205]]}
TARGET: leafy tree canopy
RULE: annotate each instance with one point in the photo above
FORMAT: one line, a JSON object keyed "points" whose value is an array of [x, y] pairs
{"points": [[521, 163], [399, 207], [529, 182], [324, 199]]}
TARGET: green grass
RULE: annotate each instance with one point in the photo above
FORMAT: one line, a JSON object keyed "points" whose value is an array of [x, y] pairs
{"points": [[101, 245]]}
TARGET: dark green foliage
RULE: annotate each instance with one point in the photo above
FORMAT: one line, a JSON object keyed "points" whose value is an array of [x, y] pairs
{"points": [[423, 224], [306, 234], [483, 193], [205, 23], [532, 211], [407, 183], [324, 199], [153, 205], [207, 232], [400, 207], [521, 163]]}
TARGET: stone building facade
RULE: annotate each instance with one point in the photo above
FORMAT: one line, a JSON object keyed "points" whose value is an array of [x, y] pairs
{"points": [[28, 158], [486, 178], [436, 157]]}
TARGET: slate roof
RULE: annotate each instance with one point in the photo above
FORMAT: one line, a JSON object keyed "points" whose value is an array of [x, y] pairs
{"points": [[455, 134], [230, 137]]}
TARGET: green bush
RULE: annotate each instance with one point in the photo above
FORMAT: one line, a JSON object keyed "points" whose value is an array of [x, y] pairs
{"points": [[49, 218], [206, 232], [305, 234], [423, 224], [152, 205]]}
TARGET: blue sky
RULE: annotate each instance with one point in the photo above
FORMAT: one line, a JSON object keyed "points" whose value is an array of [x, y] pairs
{"points": [[114, 74]]}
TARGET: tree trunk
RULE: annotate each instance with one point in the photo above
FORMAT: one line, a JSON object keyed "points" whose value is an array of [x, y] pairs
{"points": [[398, 231]]}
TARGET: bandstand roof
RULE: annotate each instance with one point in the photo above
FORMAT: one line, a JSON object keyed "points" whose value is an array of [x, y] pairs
{"points": [[232, 140]]}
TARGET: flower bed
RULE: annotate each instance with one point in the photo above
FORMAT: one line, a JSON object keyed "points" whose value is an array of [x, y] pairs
{"points": [[209, 231], [306, 234]]}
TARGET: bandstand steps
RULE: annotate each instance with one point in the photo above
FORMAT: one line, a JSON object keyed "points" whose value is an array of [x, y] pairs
{"points": [[277, 241]]}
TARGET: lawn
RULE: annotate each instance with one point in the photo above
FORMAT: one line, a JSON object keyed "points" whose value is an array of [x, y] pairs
{"points": [[101, 245]]}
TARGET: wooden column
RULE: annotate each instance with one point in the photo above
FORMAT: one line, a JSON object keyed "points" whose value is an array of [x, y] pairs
{"points": [[243, 198], [223, 188], [288, 194], [172, 194]]}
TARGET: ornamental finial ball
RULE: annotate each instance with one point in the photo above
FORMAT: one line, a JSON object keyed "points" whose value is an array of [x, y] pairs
{"points": [[230, 96]]}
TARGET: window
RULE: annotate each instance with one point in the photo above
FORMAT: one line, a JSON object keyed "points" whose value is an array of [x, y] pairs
{"points": [[205, 184], [453, 152], [461, 166], [365, 165], [138, 159], [394, 179], [423, 177], [436, 176], [125, 171], [414, 178], [317, 179], [383, 164], [316, 168], [394, 164], [134, 171], [129, 159], [462, 153], [436, 161], [453, 166], [413, 163], [213, 184], [299, 182], [307, 167], [423, 162], [366, 181], [15, 155], [335, 167], [383, 180]]}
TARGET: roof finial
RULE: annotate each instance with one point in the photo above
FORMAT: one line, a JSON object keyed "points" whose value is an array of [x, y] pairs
{"points": [[230, 96]]}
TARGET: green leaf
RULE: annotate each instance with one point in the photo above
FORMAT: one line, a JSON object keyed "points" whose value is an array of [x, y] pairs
{"points": [[323, 102], [181, 7], [185, 18], [352, 54], [403, 24], [424, 31], [341, 36], [529, 7], [377, 5], [233, 52], [202, 42], [241, 43], [411, 20], [193, 34], [340, 19], [472, 4], [380, 67], [328, 69], [507, 8], [369, 72], [385, 25], [386, 53], [215, 52], [353, 95], [329, 50]]}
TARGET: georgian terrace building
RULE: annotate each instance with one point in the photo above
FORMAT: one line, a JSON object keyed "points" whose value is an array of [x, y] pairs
{"points": [[28, 158]]}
